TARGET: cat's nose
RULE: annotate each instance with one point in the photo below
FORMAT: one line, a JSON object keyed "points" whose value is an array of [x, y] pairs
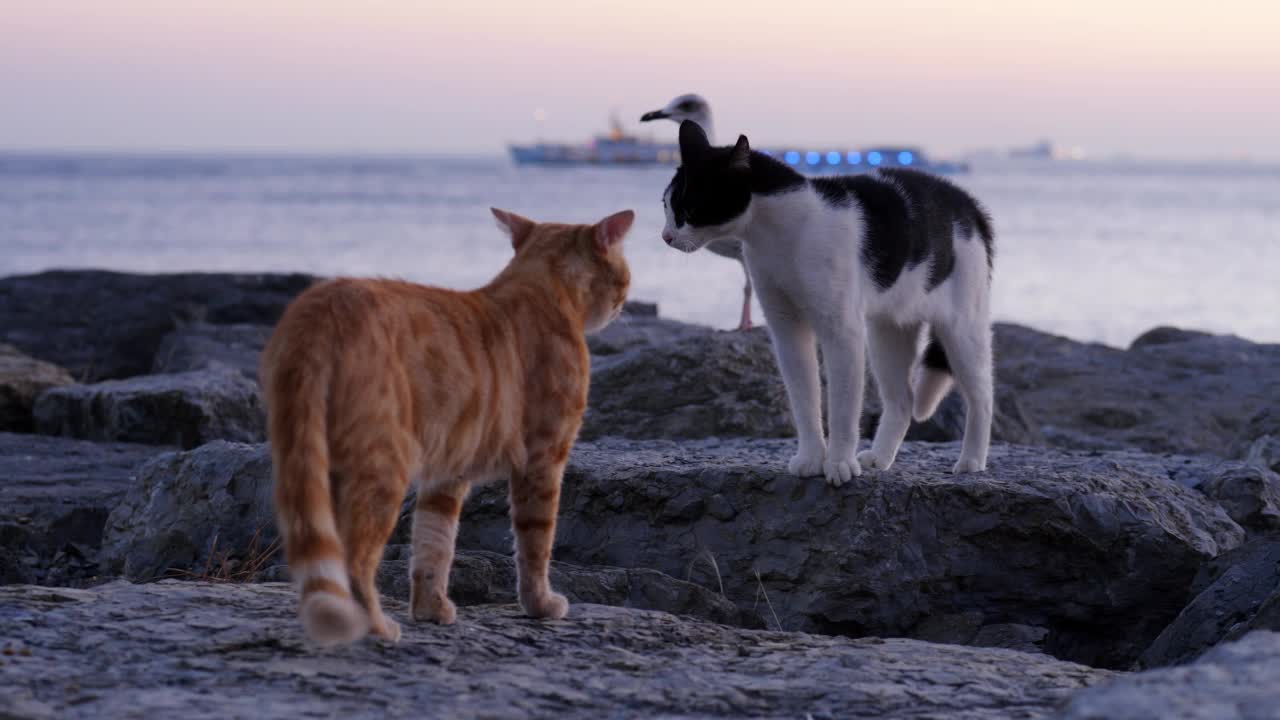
{"points": [[668, 238]]}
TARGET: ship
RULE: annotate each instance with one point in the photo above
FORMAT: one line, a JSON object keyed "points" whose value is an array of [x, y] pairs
{"points": [[618, 148]]}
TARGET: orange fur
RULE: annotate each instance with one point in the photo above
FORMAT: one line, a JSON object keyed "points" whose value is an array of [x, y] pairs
{"points": [[369, 383]]}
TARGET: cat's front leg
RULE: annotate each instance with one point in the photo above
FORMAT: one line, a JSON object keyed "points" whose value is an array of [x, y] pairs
{"points": [[843, 348], [797, 352], [535, 500]]}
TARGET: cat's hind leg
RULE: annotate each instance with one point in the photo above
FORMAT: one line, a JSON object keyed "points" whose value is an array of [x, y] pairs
{"points": [[967, 342], [892, 350], [435, 530], [368, 507]]}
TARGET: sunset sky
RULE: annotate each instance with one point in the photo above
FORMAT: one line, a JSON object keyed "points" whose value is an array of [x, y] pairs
{"points": [[1173, 79]]}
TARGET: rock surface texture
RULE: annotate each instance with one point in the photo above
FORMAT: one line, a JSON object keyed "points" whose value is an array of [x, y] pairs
{"points": [[485, 578], [1130, 517], [1091, 556], [22, 378], [663, 379], [212, 651], [1098, 551], [187, 511], [1233, 594], [1173, 391], [185, 409], [103, 325], [1235, 681], [1249, 493], [201, 346], [55, 495]]}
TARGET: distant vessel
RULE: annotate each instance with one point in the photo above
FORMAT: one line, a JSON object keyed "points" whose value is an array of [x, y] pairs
{"points": [[886, 156], [614, 148], [619, 148]]}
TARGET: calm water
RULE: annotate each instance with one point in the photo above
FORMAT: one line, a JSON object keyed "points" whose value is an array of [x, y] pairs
{"points": [[1092, 251]]}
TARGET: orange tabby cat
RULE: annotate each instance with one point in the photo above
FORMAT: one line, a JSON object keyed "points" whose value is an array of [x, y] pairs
{"points": [[371, 382]]}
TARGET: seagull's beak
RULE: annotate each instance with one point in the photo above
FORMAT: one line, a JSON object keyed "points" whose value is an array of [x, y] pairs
{"points": [[655, 115]]}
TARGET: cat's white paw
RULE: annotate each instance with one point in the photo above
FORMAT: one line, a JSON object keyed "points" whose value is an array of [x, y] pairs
{"points": [[841, 470], [968, 465], [806, 463], [386, 628], [869, 460], [433, 608], [549, 605]]}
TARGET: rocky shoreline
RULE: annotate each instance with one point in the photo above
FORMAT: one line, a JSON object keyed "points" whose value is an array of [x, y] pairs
{"points": [[1126, 537]]}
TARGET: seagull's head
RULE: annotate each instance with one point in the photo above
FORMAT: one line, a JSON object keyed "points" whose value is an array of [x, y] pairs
{"points": [[686, 107]]}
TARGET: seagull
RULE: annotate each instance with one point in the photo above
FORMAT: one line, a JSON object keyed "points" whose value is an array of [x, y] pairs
{"points": [[694, 107]]}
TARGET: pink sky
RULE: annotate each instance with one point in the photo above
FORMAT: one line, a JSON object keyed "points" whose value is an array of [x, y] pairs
{"points": [[1176, 79]]}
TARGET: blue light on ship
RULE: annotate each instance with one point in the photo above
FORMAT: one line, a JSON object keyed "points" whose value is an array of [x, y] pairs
{"points": [[833, 158], [873, 157], [813, 158], [792, 157], [854, 157], [906, 158]]}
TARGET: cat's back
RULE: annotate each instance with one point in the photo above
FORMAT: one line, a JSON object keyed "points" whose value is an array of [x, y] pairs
{"points": [[355, 302], [339, 315]]}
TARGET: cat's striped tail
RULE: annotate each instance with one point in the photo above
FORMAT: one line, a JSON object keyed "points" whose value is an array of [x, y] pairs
{"points": [[932, 381], [297, 388]]}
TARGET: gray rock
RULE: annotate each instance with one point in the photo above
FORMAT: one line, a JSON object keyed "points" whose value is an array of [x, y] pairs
{"points": [[718, 383], [1099, 550], [1231, 596], [1012, 636], [1236, 681], [1268, 615], [1264, 423], [219, 650], [105, 325], [1165, 335], [201, 346], [1264, 453], [638, 327], [484, 578], [185, 409], [1249, 493], [207, 511], [22, 378], [1174, 391], [55, 495], [670, 380]]}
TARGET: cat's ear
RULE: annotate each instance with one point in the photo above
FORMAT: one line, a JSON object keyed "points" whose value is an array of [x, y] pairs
{"points": [[611, 230], [740, 158], [693, 140], [519, 228]]}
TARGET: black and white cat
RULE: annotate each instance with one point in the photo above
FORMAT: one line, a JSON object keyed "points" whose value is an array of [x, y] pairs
{"points": [[853, 261]]}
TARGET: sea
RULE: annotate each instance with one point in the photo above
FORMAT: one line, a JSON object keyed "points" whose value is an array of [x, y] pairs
{"points": [[1095, 251]]}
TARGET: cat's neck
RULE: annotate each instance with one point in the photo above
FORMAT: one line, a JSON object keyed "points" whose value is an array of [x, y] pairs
{"points": [[770, 176], [525, 283], [774, 188]]}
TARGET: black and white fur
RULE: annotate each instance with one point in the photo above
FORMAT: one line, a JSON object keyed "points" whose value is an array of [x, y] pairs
{"points": [[695, 108], [852, 261]]}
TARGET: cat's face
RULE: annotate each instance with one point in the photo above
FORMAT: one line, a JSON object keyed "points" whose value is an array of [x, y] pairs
{"points": [[709, 198]]}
